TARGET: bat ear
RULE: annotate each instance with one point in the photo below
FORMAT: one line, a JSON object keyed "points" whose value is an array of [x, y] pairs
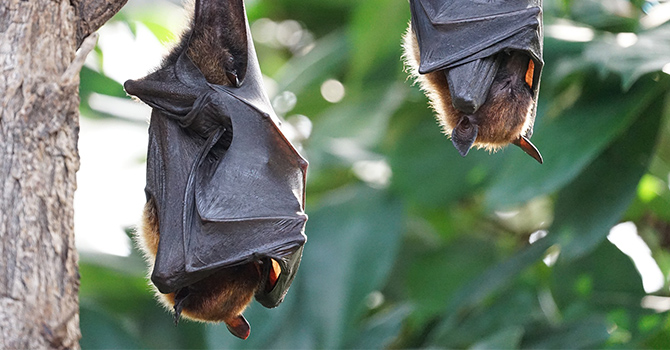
{"points": [[464, 135], [273, 290], [528, 147], [220, 26]]}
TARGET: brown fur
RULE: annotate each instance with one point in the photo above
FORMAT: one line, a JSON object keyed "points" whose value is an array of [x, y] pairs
{"points": [[207, 55], [219, 297], [149, 233], [217, 44], [501, 119], [222, 296]]}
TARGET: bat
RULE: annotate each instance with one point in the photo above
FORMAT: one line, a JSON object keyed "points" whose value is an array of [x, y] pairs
{"points": [[224, 219], [479, 62]]}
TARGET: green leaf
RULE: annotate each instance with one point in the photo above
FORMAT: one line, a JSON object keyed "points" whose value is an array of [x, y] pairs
{"points": [[573, 140], [597, 282], [493, 280], [306, 71], [649, 53], [588, 207], [92, 81], [351, 245], [508, 338], [455, 264], [375, 33], [101, 331], [583, 334], [431, 173], [380, 330]]}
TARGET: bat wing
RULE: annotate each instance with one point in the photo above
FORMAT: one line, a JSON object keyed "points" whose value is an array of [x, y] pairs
{"points": [[453, 32], [248, 201], [462, 37], [222, 200]]}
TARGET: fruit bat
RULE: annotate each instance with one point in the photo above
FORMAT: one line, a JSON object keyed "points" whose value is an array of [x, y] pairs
{"points": [[479, 62], [224, 218]]}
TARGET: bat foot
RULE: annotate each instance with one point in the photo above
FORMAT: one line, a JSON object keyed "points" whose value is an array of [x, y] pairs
{"points": [[239, 327], [179, 300]]}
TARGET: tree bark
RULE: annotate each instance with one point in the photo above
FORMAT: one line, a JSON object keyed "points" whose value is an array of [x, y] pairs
{"points": [[39, 91]]}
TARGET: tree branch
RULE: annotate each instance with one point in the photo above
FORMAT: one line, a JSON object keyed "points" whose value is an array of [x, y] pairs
{"points": [[92, 14]]}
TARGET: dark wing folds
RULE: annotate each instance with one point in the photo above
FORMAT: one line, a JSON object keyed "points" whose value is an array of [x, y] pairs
{"points": [[221, 201], [453, 32], [462, 37]]}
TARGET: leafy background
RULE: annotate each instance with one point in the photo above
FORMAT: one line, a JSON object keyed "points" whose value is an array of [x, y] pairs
{"points": [[410, 245]]}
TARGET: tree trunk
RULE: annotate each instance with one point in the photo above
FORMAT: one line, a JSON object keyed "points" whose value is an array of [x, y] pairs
{"points": [[39, 79]]}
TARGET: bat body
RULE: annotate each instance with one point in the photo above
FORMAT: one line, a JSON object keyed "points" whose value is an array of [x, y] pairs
{"points": [[224, 218], [479, 62]]}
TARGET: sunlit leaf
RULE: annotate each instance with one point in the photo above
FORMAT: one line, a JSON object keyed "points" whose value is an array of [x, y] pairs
{"points": [[650, 52]]}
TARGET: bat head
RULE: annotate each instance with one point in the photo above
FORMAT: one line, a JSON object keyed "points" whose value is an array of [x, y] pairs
{"points": [[506, 115], [222, 296], [486, 103]]}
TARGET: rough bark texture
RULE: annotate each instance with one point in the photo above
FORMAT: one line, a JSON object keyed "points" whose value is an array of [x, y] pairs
{"points": [[39, 81], [92, 15]]}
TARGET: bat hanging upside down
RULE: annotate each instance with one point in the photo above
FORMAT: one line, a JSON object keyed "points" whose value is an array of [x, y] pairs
{"points": [[479, 62], [224, 219]]}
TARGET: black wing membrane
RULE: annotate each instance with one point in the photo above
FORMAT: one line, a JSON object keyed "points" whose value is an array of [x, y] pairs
{"points": [[453, 32], [222, 200], [463, 37]]}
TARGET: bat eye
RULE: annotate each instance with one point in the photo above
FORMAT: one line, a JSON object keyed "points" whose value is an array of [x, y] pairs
{"points": [[273, 276], [529, 73]]}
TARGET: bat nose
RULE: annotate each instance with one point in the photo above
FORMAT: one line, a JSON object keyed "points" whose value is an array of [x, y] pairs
{"points": [[464, 135]]}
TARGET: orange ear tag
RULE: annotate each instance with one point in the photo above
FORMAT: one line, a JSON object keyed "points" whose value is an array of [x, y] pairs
{"points": [[275, 271], [529, 73]]}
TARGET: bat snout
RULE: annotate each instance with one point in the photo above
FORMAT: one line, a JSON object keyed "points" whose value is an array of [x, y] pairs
{"points": [[463, 136]]}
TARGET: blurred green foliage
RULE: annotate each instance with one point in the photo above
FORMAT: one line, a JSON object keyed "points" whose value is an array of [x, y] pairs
{"points": [[412, 246]]}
